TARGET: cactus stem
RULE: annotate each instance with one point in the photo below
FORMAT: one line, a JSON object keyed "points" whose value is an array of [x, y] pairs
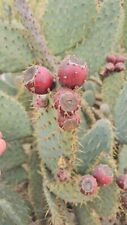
{"points": [[31, 25]]}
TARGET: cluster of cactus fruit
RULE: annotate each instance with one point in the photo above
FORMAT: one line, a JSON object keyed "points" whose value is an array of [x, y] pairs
{"points": [[114, 64], [72, 74], [63, 139]]}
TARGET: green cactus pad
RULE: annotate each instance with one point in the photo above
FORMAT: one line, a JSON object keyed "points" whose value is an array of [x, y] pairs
{"points": [[125, 26], [7, 89], [8, 83], [111, 88], [68, 191], [53, 142], [89, 96], [83, 125], [67, 22], [59, 213], [103, 37], [121, 116], [90, 86], [97, 141], [14, 50], [14, 156], [86, 215], [13, 210], [122, 160], [14, 176], [14, 121], [35, 186], [38, 8], [107, 202], [104, 205]]}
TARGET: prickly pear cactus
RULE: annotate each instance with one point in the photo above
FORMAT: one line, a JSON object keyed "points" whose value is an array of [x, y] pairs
{"points": [[15, 126], [71, 56]]}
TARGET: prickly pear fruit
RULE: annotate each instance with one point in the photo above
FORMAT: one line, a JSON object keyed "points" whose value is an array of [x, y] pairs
{"points": [[119, 67], [120, 58], [72, 72], [3, 146], [103, 174], [66, 100], [111, 58], [69, 122], [38, 79], [40, 101], [88, 185], [110, 67], [62, 175], [122, 181]]}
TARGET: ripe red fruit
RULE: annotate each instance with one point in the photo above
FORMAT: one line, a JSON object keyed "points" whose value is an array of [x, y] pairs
{"points": [[63, 175], [110, 67], [40, 101], [111, 58], [38, 79], [122, 181], [120, 58], [103, 174], [72, 72], [88, 185], [3, 146], [66, 100], [68, 122], [119, 67]]}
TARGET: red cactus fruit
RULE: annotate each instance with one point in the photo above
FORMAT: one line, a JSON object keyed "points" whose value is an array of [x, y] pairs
{"points": [[110, 67], [120, 58], [122, 181], [40, 101], [66, 100], [124, 199], [68, 122], [119, 67], [62, 175], [111, 58], [88, 185], [72, 72], [103, 174], [38, 79], [1, 135], [3, 146]]}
